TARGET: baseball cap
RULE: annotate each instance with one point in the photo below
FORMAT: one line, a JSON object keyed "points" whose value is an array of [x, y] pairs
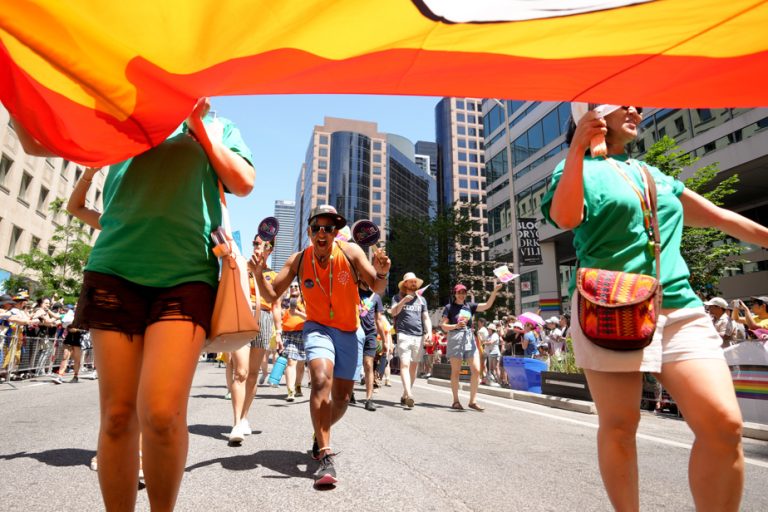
{"points": [[517, 325], [552, 320], [717, 301], [459, 287], [6, 299], [761, 298], [492, 326], [326, 210]]}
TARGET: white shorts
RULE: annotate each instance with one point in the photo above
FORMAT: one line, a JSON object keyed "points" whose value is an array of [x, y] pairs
{"points": [[409, 348], [681, 334]]}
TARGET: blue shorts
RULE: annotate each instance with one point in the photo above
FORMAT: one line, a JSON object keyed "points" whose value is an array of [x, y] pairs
{"points": [[343, 348], [461, 344]]}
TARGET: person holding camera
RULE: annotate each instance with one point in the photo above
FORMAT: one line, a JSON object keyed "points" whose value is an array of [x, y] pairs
{"points": [[755, 316]]}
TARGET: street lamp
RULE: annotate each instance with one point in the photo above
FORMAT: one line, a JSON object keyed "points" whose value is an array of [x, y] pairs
{"points": [[513, 209]]}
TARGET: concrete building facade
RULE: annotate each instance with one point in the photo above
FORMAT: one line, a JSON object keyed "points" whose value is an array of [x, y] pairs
{"points": [[28, 186]]}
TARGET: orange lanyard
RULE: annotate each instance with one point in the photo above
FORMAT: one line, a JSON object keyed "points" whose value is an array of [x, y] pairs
{"points": [[645, 200]]}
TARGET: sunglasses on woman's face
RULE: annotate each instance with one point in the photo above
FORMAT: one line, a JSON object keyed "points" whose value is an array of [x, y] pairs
{"points": [[315, 229], [639, 110], [294, 287]]}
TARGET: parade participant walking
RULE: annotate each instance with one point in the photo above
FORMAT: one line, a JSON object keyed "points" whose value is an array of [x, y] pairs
{"points": [[604, 201], [457, 323], [294, 316], [247, 360], [148, 295], [413, 326], [371, 308], [328, 271]]}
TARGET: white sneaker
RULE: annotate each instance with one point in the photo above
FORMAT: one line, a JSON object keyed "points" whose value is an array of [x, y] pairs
{"points": [[236, 435], [246, 427], [94, 375]]}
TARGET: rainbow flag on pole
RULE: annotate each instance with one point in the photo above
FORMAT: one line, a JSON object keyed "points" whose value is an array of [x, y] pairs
{"points": [[550, 304]]}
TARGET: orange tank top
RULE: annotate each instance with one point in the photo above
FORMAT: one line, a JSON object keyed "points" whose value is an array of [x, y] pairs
{"points": [[330, 303], [292, 323]]}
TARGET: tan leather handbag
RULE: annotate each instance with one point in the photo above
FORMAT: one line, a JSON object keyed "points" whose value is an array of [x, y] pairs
{"points": [[234, 322]]}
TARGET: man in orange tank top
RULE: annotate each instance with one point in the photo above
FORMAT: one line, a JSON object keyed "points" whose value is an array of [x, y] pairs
{"points": [[328, 272]]}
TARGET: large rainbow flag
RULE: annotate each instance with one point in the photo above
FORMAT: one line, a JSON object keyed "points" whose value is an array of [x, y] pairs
{"points": [[97, 81]]}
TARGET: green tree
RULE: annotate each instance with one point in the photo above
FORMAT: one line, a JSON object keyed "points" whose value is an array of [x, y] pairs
{"points": [[59, 273], [706, 250], [419, 244]]}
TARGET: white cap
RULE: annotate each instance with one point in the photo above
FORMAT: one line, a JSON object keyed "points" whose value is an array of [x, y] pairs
{"points": [[717, 301]]}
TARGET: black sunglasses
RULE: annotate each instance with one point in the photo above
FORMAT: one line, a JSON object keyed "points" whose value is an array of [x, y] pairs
{"points": [[294, 286], [315, 229], [638, 109]]}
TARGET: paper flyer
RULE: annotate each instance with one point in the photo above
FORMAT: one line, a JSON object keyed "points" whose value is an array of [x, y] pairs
{"points": [[421, 291], [504, 274]]}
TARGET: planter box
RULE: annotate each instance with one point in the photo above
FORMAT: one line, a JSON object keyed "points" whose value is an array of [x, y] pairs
{"points": [[443, 371], [567, 385]]}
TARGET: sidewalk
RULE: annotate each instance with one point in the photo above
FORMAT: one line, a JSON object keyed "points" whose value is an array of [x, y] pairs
{"points": [[751, 430]]}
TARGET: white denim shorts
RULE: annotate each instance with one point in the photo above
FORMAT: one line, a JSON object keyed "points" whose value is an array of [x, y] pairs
{"points": [[681, 334], [409, 348]]}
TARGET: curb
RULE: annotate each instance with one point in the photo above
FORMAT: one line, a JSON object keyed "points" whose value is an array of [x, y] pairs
{"points": [[751, 430], [557, 402]]}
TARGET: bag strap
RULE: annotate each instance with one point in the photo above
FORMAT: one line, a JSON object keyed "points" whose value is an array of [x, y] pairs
{"points": [[648, 202]]}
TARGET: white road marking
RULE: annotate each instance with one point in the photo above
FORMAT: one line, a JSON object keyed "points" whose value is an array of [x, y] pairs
{"points": [[646, 437]]}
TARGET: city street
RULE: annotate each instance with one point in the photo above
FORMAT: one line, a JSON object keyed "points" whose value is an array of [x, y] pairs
{"points": [[514, 456]]}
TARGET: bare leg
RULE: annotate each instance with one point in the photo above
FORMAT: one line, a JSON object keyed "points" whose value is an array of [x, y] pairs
{"points": [[405, 376], [239, 360], [65, 360], [616, 397], [703, 390], [474, 377], [321, 371], [290, 375], [77, 359], [455, 371], [255, 357], [299, 373], [118, 358], [171, 351], [368, 367], [228, 374]]}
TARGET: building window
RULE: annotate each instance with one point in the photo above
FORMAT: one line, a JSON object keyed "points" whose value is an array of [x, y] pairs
{"points": [[473, 157], [96, 198], [462, 143], [322, 164], [323, 139], [51, 250], [322, 177], [321, 190], [322, 151], [42, 199], [472, 132], [377, 158], [26, 181], [462, 183], [35, 245], [472, 144], [461, 130], [705, 114], [475, 185], [16, 233], [376, 182], [78, 173], [377, 196], [462, 156], [377, 170], [461, 117], [5, 169], [376, 208], [460, 104], [377, 145], [473, 171], [463, 169], [472, 119]]}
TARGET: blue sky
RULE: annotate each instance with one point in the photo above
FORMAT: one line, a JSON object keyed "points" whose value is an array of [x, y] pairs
{"points": [[278, 129]]}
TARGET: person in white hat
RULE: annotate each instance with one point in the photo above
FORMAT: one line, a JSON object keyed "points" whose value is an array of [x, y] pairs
{"points": [[492, 352], [413, 326], [718, 310], [553, 335]]}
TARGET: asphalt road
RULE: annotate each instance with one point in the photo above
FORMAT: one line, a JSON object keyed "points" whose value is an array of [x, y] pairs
{"points": [[514, 456]]}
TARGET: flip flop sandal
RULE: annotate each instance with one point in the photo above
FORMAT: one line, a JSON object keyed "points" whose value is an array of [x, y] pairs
{"points": [[457, 406], [476, 407]]}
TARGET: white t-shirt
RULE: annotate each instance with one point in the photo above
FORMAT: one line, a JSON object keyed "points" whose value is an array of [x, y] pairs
{"points": [[555, 340]]}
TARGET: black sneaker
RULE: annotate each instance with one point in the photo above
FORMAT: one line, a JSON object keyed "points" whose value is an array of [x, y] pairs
{"points": [[326, 473], [315, 448], [369, 405], [352, 399]]}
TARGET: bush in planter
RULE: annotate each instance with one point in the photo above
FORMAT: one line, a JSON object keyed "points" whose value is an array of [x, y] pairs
{"points": [[567, 361]]}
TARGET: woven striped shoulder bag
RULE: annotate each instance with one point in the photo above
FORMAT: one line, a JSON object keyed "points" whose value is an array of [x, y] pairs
{"points": [[619, 310]]}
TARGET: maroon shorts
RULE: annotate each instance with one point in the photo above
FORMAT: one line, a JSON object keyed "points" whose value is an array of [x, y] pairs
{"points": [[112, 303]]}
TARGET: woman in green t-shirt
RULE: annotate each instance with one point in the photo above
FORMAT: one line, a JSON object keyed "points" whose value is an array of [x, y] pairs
{"points": [[593, 198], [148, 294]]}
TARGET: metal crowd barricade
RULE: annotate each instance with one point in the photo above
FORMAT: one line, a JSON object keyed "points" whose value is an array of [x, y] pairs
{"points": [[28, 357]]}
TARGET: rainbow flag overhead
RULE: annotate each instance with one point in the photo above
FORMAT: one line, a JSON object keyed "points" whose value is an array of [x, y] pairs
{"points": [[549, 304], [97, 81]]}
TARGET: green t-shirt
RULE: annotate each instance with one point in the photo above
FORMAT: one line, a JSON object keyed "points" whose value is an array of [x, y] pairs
{"points": [[612, 235], [159, 210]]}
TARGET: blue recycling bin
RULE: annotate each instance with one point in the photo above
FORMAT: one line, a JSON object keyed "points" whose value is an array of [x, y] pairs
{"points": [[524, 373]]}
